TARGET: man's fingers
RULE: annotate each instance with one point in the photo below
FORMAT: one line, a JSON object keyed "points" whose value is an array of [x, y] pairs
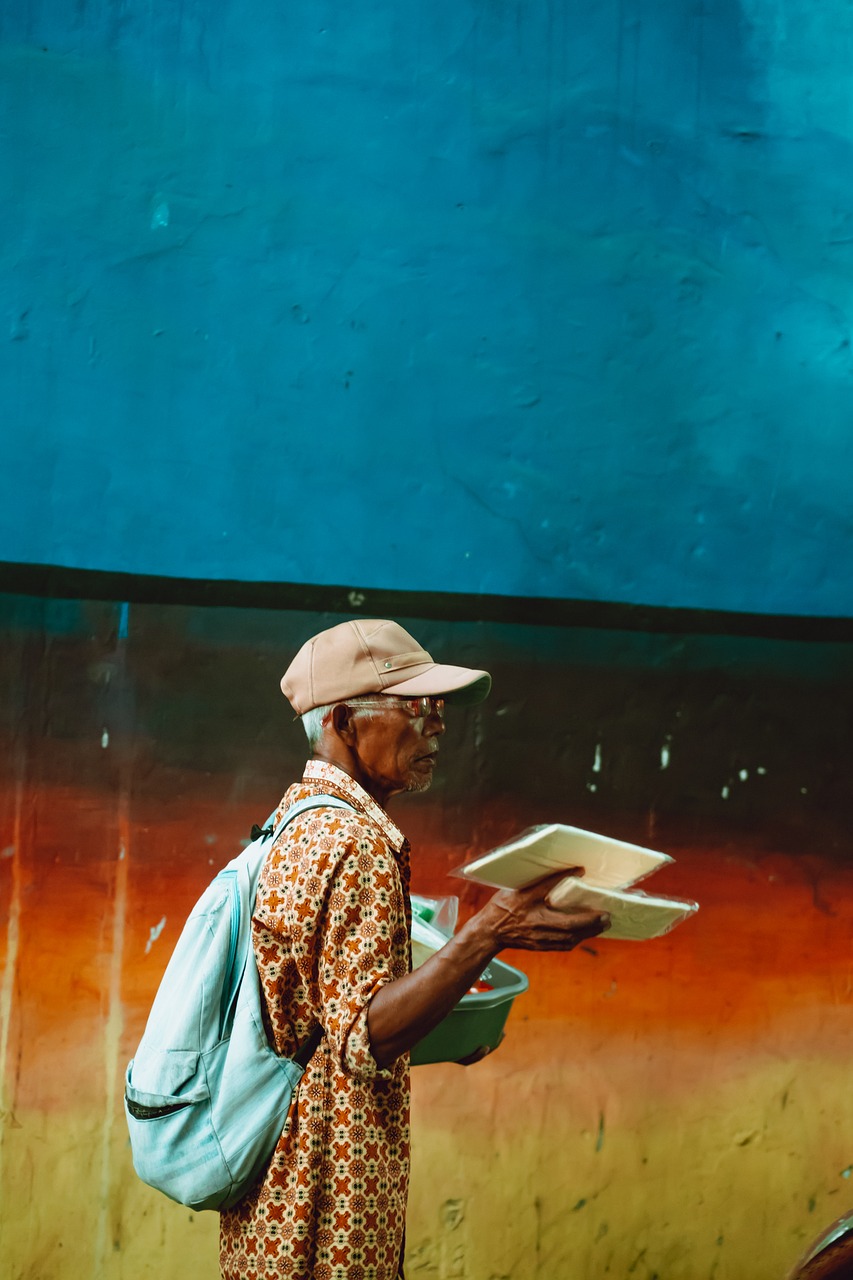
{"points": [[529, 923], [549, 882], [580, 918], [479, 1054], [568, 930]]}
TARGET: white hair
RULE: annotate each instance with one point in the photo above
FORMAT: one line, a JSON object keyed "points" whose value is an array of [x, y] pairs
{"points": [[312, 721]]}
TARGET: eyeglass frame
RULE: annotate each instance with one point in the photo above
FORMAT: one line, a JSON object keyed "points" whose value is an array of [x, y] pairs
{"points": [[422, 706]]}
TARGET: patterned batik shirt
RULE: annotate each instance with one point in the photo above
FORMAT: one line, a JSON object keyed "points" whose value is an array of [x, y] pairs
{"points": [[331, 926]]}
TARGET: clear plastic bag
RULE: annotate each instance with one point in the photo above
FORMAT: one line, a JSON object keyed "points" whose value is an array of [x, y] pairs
{"points": [[441, 913]]}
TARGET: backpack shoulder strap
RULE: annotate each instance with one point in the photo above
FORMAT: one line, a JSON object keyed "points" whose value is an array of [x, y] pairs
{"points": [[250, 863], [306, 1051], [311, 802], [269, 828], [254, 857]]}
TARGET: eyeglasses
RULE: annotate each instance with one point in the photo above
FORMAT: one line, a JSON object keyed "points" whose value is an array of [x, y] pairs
{"points": [[416, 707]]}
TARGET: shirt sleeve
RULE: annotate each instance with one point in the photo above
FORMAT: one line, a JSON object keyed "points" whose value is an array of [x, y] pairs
{"points": [[363, 944]]}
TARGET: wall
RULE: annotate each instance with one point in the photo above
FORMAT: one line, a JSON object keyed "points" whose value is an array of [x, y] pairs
{"points": [[529, 324], [563, 290], [678, 1108]]}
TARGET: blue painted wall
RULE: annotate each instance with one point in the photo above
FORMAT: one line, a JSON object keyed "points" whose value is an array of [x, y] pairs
{"points": [[465, 295]]}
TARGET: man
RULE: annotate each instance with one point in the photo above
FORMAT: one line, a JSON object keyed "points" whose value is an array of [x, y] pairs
{"points": [[331, 936]]}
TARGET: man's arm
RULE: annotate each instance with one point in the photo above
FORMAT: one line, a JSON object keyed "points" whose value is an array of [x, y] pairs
{"points": [[402, 1012]]}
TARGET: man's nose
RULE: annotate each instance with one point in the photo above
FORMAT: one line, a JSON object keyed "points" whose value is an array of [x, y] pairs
{"points": [[434, 725]]}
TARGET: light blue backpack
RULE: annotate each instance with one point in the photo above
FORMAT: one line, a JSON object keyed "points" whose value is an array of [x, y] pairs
{"points": [[206, 1095]]}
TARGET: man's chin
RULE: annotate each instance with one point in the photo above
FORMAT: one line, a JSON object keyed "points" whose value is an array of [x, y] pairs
{"points": [[420, 784]]}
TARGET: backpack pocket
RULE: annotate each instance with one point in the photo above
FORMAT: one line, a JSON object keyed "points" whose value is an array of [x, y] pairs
{"points": [[167, 1078], [172, 1137]]}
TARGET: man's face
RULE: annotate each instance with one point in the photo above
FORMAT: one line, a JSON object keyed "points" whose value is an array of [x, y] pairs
{"points": [[396, 748]]}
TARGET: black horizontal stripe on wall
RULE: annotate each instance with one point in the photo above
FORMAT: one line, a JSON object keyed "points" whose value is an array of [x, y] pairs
{"points": [[62, 583]]}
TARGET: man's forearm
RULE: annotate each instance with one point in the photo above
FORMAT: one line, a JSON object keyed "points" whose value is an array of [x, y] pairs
{"points": [[404, 1011]]}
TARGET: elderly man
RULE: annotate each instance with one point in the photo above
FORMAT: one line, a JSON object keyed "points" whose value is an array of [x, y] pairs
{"points": [[331, 936]]}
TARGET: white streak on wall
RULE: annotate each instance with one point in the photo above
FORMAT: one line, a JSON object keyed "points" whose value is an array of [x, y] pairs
{"points": [[664, 755], [154, 934], [112, 1033], [105, 739], [7, 988], [596, 764]]}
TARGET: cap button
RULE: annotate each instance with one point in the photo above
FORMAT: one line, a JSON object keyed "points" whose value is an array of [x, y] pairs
{"points": [[387, 665]]}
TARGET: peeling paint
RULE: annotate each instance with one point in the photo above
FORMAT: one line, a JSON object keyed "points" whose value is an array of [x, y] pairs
{"points": [[154, 934], [160, 215], [452, 1214]]}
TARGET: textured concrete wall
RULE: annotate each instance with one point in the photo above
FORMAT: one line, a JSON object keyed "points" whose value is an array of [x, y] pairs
{"points": [[483, 297], [554, 298]]}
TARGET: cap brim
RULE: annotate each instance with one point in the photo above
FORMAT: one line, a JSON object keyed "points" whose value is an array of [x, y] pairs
{"points": [[462, 686]]}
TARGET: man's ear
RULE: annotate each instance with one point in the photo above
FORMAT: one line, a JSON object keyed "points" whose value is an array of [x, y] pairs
{"points": [[343, 723]]}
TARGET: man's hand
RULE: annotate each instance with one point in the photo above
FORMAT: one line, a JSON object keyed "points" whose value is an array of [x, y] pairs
{"points": [[522, 918], [479, 1054], [403, 1011]]}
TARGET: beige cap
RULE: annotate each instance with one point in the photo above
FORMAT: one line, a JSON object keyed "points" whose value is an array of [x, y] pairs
{"points": [[373, 655]]}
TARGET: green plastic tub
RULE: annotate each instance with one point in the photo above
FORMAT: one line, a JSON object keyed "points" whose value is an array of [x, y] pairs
{"points": [[477, 1020]]}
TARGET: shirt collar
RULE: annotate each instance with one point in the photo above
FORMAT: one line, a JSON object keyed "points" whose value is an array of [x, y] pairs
{"points": [[345, 786]]}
